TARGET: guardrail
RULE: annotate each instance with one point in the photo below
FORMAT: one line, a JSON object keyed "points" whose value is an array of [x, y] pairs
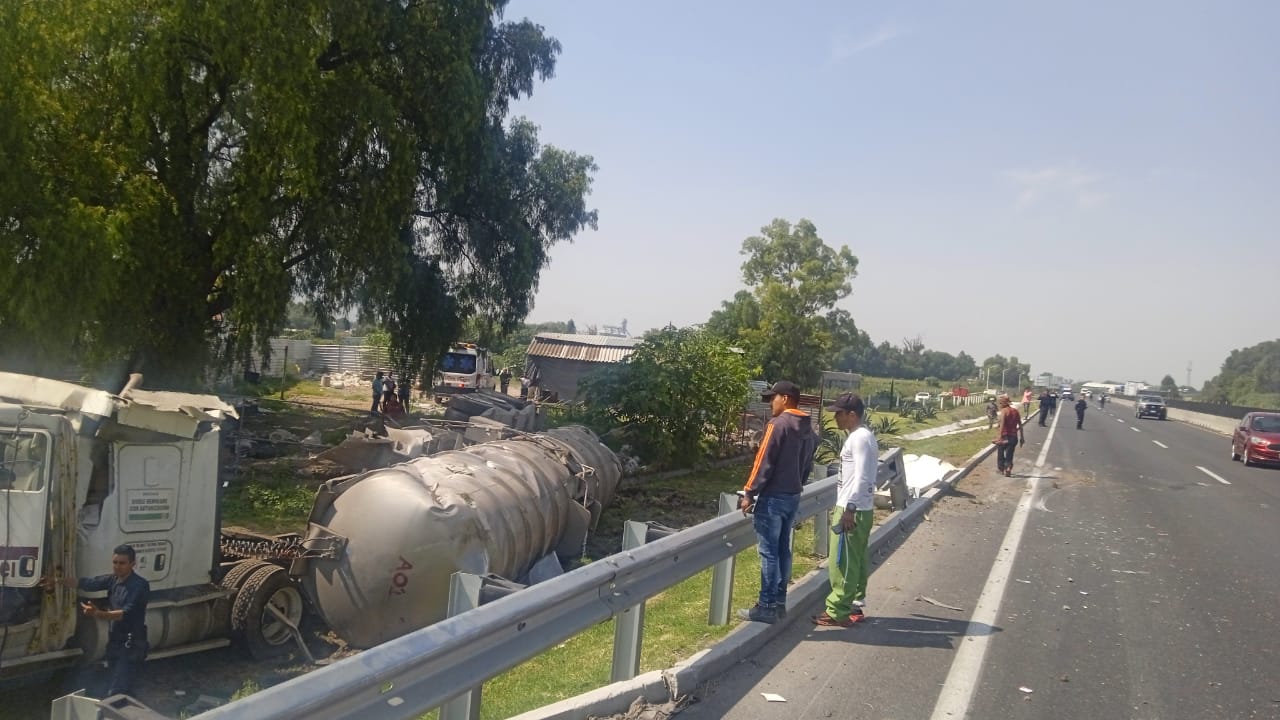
{"points": [[441, 665]]}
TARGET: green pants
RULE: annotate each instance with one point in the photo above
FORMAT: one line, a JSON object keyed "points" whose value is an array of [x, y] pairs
{"points": [[849, 565]]}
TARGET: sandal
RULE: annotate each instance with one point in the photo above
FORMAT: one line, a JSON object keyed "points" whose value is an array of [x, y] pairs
{"points": [[825, 620]]}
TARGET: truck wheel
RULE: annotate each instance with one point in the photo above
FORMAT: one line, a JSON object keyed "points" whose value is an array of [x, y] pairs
{"points": [[236, 576], [253, 626]]}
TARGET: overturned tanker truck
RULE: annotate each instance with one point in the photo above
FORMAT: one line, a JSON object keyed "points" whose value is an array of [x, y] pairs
{"points": [[381, 546], [83, 470]]}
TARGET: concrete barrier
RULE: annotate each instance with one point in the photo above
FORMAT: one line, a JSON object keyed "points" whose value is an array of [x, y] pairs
{"points": [[1213, 423]]}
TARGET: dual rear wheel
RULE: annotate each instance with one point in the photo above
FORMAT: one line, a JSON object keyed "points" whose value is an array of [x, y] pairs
{"points": [[266, 603]]}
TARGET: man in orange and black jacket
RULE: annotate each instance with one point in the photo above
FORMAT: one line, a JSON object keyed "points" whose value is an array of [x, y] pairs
{"points": [[772, 492]]}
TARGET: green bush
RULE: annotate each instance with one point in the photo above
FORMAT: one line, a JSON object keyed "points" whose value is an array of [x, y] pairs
{"points": [[680, 388]]}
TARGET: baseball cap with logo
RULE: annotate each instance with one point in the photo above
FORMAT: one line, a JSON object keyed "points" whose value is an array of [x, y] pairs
{"points": [[782, 387]]}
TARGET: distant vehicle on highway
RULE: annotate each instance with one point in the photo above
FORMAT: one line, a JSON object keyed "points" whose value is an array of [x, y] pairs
{"points": [[1150, 406], [923, 397], [1257, 439]]}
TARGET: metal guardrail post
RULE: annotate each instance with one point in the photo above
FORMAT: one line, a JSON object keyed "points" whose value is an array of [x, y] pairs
{"points": [[628, 628], [464, 595], [722, 573], [821, 533]]}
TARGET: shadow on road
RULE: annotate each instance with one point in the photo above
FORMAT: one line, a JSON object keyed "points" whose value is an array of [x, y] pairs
{"points": [[913, 631]]}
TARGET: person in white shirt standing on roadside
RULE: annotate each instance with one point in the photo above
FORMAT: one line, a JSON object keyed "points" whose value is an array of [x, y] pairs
{"points": [[849, 564]]}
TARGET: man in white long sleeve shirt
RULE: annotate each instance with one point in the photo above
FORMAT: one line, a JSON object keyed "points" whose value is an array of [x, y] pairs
{"points": [[848, 566]]}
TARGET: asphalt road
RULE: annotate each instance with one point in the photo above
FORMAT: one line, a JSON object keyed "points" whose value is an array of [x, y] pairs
{"points": [[1135, 573]]}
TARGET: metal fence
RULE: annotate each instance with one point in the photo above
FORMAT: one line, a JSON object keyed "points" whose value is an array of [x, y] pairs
{"points": [[442, 665], [363, 360]]}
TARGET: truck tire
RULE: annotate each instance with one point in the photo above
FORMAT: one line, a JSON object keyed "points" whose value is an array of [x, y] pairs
{"points": [[255, 628], [236, 576]]}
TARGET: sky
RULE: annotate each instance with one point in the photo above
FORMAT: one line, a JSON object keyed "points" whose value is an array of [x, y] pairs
{"points": [[1093, 187]]}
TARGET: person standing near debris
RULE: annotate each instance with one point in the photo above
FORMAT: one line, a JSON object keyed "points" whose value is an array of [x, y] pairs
{"points": [[1026, 401], [992, 411], [504, 379], [1046, 405], [127, 596], [388, 390], [772, 493], [1081, 406], [377, 393], [404, 391], [1011, 435], [531, 383], [855, 512]]}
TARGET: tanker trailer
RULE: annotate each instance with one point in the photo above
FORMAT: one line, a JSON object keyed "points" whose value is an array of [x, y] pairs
{"points": [[383, 544]]}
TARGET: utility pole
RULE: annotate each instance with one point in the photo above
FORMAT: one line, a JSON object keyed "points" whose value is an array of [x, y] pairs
{"points": [[1188, 373]]}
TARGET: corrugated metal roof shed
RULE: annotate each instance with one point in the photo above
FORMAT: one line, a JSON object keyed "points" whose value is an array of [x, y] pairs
{"points": [[587, 348]]}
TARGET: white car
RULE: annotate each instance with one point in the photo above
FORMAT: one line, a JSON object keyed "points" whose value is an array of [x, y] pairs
{"points": [[923, 397]]}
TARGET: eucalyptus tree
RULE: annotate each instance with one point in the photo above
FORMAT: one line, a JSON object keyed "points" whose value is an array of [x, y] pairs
{"points": [[175, 173]]}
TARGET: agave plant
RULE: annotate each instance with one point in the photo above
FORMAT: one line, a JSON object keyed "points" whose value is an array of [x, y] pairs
{"points": [[884, 425], [830, 439]]}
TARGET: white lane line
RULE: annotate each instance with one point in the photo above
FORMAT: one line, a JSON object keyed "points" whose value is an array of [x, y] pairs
{"points": [[1166, 447], [1134, 429], [1119, 420], [1212, 475], [966, 666]]}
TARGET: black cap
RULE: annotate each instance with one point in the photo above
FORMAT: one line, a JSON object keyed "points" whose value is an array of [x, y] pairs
{"points": [[782, 387], [848, 402]]}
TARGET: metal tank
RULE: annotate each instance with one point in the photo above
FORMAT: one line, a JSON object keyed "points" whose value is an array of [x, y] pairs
{"points": [[382, 545]]}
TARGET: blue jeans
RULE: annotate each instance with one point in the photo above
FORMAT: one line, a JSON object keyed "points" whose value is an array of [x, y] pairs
{"points": [[775, 516]]}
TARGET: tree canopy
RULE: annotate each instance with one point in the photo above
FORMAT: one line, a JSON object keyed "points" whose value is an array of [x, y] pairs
{"points": [[787, 321], [793, 278], [177, 173], [1249, 377]]}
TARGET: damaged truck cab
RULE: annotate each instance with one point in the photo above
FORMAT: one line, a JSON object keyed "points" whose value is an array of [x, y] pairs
{"points": [[83, 471]]}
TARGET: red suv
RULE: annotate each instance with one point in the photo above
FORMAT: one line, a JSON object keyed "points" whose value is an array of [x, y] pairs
{"points": [[1257, 439]]}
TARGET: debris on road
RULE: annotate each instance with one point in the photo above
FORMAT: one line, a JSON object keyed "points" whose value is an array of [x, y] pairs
{"points": [[931, 601], [773, 697]]}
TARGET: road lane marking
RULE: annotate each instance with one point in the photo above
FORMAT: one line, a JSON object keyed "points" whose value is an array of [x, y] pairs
{"points": [[1134, 429], [1212, 475], [966, 666], [1166, 447], [1119, 420]]}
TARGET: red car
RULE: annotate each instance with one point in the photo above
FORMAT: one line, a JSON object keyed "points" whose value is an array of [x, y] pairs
{"points": [[1257, 439]]}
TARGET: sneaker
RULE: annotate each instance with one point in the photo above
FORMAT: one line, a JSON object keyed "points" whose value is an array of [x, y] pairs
{"points": [[759, 613], [780, 609], [825, 620]]}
